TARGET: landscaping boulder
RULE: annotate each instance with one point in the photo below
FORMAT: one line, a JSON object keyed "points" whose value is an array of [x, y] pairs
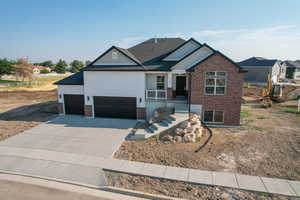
{"points": [[188, 131], [167, 138]]}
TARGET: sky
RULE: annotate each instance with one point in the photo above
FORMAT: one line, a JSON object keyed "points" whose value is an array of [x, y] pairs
{"points": [[83, 29]]}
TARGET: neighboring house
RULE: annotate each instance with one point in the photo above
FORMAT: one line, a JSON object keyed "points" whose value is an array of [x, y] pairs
{"points": [[131, 83], [292, 69], [37, 69], [258, 69]]}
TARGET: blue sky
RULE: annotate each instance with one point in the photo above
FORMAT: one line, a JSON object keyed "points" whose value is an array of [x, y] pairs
{"points": [[83, 29]]}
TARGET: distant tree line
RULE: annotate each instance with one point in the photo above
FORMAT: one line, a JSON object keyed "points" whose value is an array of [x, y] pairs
{"points": [[13, 66]]}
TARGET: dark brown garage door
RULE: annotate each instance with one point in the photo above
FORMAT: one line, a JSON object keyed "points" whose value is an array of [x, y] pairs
{"points": [[74, 104], [118, 107]]}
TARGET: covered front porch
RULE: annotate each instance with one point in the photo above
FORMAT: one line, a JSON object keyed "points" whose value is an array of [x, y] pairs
{"points": [[166, 90], [167, 86]]}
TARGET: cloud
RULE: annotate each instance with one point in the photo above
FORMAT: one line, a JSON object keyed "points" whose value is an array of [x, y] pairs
{"points": [[130, 41], [280, 42]]}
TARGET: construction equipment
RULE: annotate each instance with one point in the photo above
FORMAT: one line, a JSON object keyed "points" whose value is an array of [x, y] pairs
{"points": [[273, 92]]}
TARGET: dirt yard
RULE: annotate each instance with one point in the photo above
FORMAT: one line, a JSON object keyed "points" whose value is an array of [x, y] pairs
{"points": [[184, 190], [22, 110], [266, 144]]}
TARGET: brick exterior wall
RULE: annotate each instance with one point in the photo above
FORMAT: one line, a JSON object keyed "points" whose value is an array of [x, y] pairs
{"points": [[141, 113], [60, 108], [230, 103], [170, 93], [88, 110]]}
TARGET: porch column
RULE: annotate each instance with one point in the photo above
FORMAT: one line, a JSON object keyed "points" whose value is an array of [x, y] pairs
{"points": [[169, 89]]}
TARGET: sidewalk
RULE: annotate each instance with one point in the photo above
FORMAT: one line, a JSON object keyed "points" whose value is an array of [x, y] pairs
{"points": [[224, 179]]}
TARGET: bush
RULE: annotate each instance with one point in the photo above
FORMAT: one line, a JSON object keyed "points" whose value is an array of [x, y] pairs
{"points": [[44, 71]]}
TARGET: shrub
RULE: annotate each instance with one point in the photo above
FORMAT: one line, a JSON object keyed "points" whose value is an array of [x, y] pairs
{"points": [[44, 71]]}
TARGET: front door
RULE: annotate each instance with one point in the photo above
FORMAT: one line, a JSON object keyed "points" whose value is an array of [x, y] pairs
{"points": [[180, 85]]}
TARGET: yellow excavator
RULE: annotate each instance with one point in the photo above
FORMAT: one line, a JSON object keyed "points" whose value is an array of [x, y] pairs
{"points": [[272, 92]]}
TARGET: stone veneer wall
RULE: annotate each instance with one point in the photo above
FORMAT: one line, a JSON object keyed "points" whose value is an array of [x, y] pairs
{"points": [[60, 107], [141, 113], [88, 110]]}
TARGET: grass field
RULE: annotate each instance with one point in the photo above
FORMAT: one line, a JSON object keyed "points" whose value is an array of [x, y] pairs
{"points": [[38, 83], [7, 81]]}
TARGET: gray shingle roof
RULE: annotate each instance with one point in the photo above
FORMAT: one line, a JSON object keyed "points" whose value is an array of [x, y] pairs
{"points": [[155, 47], [294, 64], [258, 61], [74, 79]]}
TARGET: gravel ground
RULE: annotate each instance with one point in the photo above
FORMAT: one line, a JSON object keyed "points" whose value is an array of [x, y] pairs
{"points": [[267, 144], [22, 110], [184, 190]]}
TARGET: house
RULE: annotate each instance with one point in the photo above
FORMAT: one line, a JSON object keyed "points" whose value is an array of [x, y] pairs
{"points": [[292, 69], [159, 72], [258, 69], [36, 69]]}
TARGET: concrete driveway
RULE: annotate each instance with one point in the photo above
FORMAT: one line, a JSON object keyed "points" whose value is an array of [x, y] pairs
{"points": [[68, 148]]}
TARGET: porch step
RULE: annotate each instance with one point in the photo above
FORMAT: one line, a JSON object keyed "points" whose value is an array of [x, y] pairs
{"points": [[157, 128]]}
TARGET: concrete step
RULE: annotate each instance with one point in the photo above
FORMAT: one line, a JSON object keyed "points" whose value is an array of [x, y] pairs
{"points": [[153, 128], [163, 123], [148, 130]]}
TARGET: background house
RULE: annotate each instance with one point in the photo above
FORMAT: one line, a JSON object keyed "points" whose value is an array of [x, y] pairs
{"points": [[37, 69], [258, 69], [292, 69]]}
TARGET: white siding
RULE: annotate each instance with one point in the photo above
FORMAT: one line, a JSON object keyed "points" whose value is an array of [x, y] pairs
{"points": [[183, 51], [118, 84], [192, 59], [107, 59], [68, 89]]}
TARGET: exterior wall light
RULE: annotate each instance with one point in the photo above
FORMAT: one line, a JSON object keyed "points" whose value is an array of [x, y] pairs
{"points": [[59, 96], [88, 98]]}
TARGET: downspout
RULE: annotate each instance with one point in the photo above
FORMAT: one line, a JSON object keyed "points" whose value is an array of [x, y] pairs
{"points": [[190, 91]]}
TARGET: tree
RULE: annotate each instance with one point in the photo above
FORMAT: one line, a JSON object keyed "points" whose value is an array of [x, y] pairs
{"points": [[47, 63], [76, 66], [23, 69], [87, 62], [5, 67], [60, 67]]}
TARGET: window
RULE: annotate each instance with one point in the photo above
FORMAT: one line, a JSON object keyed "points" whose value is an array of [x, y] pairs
{"points": [[114, 55], [215, 83], [214, 116], [160, 82]]}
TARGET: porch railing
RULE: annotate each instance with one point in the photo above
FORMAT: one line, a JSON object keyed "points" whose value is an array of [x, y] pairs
{"points": [[156, 94]]}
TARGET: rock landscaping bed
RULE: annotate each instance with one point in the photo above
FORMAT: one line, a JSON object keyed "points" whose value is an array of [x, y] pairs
{"points": [[183, 190], [266, 144], [188, 131]]}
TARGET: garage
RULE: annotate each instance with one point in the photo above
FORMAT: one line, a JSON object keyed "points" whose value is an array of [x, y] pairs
{"points": [[116, 107], [74, 104]]}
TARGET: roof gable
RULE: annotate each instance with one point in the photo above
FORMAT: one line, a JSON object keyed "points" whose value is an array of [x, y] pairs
{"points": [[194, 57], [183, 50], [116, 56], [217, 53]]}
